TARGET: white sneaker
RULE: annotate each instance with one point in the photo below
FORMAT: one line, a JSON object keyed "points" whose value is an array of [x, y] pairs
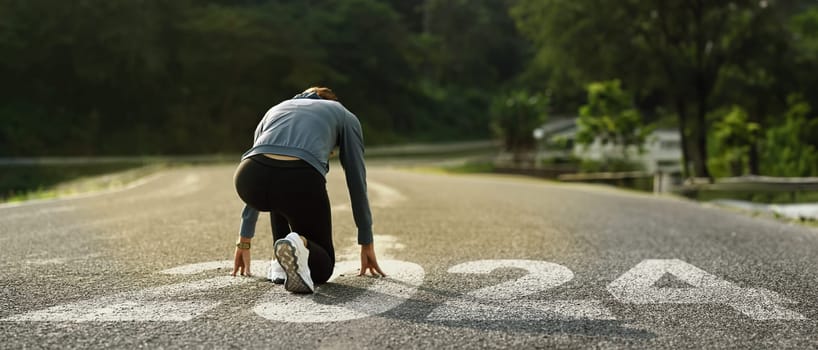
{"points": [[276, 273], [292, 255]]}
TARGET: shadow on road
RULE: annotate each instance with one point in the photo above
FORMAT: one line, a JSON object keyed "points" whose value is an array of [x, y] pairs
{"points": [[516, 315]]}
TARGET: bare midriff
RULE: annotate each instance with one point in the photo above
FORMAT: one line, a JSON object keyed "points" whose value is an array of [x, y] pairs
{"points": [[280, 157]]}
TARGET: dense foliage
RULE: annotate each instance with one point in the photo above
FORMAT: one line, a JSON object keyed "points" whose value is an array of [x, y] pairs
{"points": [[681, 58], [610, 117], [513, 118], [791, 148], [91, 77], [94, 77]]}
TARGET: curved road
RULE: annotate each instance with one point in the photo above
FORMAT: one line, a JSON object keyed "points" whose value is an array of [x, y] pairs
{"points": [[474, 261]]}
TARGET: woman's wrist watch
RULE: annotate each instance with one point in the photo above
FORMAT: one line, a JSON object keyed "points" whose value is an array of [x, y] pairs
{"points": [[243, 245]]}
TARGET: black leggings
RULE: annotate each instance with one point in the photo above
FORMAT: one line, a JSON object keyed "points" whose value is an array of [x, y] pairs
{"points": [[295, 194]]}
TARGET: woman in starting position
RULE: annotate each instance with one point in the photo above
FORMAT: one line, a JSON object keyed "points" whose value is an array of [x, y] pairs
{"points": [[284, 174]]}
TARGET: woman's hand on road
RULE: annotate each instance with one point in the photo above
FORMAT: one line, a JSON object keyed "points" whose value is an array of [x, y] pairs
{"points": [[369, 262], [241, 263]]}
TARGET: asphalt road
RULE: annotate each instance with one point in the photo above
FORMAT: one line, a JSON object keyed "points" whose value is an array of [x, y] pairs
{"points": [[474, 262]]}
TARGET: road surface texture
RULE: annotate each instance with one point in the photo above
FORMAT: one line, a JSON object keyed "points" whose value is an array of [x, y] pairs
{"points": [[474, 261]]}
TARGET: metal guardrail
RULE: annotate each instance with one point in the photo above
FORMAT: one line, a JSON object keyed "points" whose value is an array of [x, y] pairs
{"points": [[630, 179], [430, 148], [113, 160], [603, 176], [752, 183], [738, 184]]}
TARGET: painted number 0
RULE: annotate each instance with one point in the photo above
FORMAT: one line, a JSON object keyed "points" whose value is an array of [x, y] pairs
{"points": [[382, 295]]}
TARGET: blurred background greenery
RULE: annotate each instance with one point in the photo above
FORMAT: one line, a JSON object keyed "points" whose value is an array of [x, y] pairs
{"points": [[738, 78]]}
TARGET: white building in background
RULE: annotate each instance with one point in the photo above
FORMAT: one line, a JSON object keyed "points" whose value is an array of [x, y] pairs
{"points": [[662, 150]]}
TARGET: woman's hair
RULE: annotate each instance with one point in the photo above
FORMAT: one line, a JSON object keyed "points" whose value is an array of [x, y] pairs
{"points": [[323, 92]]}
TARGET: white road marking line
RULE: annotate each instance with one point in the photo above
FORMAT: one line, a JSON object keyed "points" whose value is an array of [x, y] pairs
{"points": [[54, 261], [41, 212], [636, 286], [257, 267], [384, 196], [189, 184], [341, 207], [381, 196], [386, 247], [58, 260]]}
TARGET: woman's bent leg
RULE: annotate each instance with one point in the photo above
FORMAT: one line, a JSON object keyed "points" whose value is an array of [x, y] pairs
{"points": [[280, 225], [296, 199], [308, 213]]}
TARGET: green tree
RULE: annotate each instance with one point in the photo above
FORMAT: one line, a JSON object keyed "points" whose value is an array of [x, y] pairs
{"points": [[789, 149], [236, 60], [804, 55], [610, 118], [804, 39], [468, 52], [76, 72], [768, 72], [671, 52], [92, 77], [514, 118], [734, 136], [472, 42], [367, 50]]}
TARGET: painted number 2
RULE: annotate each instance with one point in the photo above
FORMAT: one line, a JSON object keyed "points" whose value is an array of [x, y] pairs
{"points": [[351, 298], [508, 300]]}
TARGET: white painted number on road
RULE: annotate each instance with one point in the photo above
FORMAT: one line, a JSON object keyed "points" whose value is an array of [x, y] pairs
{"points": [[149, 304], [144, 305], [637, 287], [350, 298], [506, 301], [383, 294]]}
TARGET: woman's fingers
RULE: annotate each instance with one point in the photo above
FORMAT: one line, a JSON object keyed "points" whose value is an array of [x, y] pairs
{"points": [[378, 268], [246, 256], [369, 262], [364, 264], [236, 263], [373, 269], [241, 263]]}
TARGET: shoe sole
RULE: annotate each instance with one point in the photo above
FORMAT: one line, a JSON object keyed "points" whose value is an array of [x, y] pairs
{"points": [[285, 255]]}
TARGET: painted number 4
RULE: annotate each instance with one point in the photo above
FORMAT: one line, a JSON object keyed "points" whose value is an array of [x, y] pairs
{"points": [[505, 301]]}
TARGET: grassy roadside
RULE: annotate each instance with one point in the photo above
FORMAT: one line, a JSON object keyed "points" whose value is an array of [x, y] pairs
{"points": [[760, 197], [766, 215], [475, 167], [24, 183], [23, 179]]}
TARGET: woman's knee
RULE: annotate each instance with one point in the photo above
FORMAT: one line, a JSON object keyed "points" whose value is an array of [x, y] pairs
{"points": [[321, 275]]}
